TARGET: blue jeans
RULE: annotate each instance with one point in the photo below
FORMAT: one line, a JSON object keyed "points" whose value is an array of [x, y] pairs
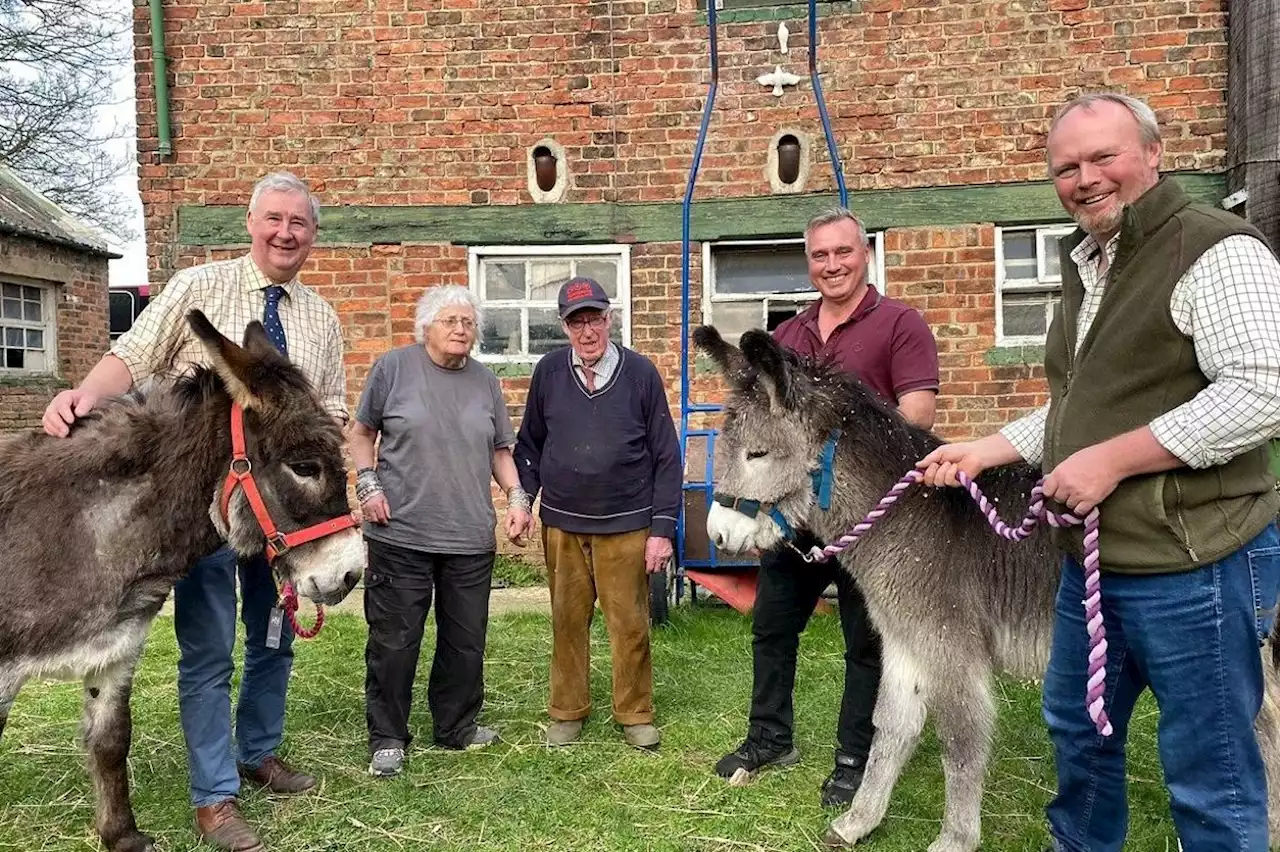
{"points": [[1193, 638], [204, 608]]}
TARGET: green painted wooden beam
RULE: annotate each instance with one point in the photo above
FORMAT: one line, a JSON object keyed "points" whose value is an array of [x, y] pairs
{"points": [[713, 219], [747, 11]]}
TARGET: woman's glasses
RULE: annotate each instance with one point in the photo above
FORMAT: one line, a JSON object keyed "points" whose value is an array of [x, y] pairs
{"points": [[455, 322]]}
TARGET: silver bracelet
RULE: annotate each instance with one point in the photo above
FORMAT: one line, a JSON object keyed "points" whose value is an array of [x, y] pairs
{"points": [[367, 485], [518, 498]]}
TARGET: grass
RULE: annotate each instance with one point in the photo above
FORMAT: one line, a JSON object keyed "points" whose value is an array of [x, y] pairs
{"points": [[512, 571], [518, 795]]}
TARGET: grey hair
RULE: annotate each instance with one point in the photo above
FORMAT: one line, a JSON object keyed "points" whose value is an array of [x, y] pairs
{"points": [[830, 216], [285, 182], [1148, 127], [437, 299]]}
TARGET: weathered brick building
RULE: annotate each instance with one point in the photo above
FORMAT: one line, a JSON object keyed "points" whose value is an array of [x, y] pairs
{"points": [[423, 124], [53, 302]]}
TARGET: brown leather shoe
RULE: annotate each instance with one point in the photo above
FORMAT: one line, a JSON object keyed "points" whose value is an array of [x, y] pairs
{"points": [[277, 776], [223, 827]]}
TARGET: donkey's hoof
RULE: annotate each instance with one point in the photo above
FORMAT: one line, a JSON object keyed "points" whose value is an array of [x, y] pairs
{"points": [[953, 843], [833, 840], [134, 842]]}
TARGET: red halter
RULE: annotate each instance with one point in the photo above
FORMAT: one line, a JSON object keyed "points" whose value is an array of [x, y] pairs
{"points": [[241, 475]]}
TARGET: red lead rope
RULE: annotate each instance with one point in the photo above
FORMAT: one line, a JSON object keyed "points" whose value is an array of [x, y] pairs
{"points": [[241, 476], [289, 602]]}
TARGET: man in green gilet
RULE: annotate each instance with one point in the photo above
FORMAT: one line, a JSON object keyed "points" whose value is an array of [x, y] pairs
{"points": [[1164, 388]]}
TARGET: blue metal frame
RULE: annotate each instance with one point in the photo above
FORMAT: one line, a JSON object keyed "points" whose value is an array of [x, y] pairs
{"points": [[706, 483], [822, 103]]}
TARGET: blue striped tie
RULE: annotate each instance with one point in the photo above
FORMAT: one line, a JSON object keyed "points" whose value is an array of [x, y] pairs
{"points": [[271, 319]]}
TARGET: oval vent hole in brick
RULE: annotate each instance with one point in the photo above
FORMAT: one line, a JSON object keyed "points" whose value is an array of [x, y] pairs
{"points": [[544, 167], [788, 158]]}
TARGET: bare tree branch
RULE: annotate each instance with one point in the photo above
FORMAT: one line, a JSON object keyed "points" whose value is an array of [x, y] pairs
{"points": [[60, 61]]}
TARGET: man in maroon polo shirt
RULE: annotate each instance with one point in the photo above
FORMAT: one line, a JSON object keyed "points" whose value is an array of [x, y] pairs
{"points": [[889, 347]]}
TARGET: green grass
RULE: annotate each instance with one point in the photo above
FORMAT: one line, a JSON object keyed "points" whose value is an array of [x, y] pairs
{"points": [[518, 795], [512, 571]]}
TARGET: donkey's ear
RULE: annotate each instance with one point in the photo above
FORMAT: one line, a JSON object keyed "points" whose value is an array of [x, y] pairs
{"points": [[726, 356], [763, 353], [234, 364], [257, 343]]}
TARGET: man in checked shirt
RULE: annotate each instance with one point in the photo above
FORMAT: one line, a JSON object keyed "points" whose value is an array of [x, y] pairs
{"points": [[262, 285], [1164, 377]]}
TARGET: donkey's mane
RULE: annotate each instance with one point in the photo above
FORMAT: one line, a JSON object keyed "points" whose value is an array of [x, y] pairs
{"points": [[192, 389], [880, 438], [122, 438]]}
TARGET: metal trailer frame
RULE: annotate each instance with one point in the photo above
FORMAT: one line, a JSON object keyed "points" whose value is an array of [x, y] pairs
{"points": [[705, 484]]}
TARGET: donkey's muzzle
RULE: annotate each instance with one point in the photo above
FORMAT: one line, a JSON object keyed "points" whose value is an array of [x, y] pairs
{"points": [[312, 588]]}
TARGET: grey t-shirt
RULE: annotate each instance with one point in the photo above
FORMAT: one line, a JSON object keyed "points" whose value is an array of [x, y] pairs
{"points": [[439, 429]]}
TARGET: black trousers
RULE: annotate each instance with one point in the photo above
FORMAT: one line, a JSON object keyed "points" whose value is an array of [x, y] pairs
{"points": [[399, 585], [787, 592]]}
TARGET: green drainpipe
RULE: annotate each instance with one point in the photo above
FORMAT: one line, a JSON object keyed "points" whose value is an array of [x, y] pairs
{"points": [[160, 74]]}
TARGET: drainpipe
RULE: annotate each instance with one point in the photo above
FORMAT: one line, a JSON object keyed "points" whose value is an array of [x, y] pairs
{"points": [[159, 73]]}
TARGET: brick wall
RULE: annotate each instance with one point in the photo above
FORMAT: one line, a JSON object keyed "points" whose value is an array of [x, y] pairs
{"points": [[82, 328], [383, 102], [380, 103]]}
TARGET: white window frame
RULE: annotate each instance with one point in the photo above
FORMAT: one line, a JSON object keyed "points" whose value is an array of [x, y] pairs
{"points": [[49, 325], [710, 298], [1042, 283], [622, 305]]}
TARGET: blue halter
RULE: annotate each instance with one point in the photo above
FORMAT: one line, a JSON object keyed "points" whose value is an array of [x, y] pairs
{"points": [[822, 478]]}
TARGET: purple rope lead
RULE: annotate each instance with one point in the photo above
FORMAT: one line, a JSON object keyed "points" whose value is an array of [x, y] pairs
{"points": [[1036, 512]]}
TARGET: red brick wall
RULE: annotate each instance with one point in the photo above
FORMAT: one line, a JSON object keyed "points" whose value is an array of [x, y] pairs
{"points": [[393, 103], [382, 104], [81, 320]]}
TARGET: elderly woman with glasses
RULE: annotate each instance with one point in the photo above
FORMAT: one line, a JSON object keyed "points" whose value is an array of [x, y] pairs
{"points": [[442, 429]]}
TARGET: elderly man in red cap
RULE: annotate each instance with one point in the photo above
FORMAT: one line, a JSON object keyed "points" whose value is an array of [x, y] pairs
{"points": [[598, 442]]}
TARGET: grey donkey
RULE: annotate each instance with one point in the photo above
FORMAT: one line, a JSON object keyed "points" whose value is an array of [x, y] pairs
{"points": [[953, 602], [96, 528]]}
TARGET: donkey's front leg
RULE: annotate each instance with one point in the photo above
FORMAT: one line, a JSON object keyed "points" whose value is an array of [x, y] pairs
{"points": [[108, 730], [965, 716], [9, 686], [899, 719], [1267, 729]]}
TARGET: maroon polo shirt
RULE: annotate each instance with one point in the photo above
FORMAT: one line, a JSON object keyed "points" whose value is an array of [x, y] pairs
{"points": [[885, 343]]}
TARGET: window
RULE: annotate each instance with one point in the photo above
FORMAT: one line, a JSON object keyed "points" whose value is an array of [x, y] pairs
{"points": [[1028, 283], [518, 287], [26, 327], [761, 283]]}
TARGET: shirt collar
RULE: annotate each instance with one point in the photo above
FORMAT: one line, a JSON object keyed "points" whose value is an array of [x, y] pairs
{"points": [[870, 301], [1085, 257], [253, 278]]}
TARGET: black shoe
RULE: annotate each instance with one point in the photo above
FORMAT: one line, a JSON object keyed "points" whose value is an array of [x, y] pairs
{"points": [[753, 756], [843, 782]]}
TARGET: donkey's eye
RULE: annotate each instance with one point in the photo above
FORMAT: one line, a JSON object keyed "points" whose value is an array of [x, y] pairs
{"points": [[756, 454], [306, 469]]}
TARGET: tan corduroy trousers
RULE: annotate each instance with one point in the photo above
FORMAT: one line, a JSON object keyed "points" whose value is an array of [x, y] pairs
{"points": [[580, 569]]}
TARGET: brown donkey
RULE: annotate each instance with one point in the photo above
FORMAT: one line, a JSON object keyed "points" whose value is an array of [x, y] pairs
{"points": [[96, 528]]}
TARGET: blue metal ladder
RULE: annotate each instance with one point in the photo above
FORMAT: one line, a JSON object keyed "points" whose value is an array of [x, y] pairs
{"points": [[705, 485]]}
